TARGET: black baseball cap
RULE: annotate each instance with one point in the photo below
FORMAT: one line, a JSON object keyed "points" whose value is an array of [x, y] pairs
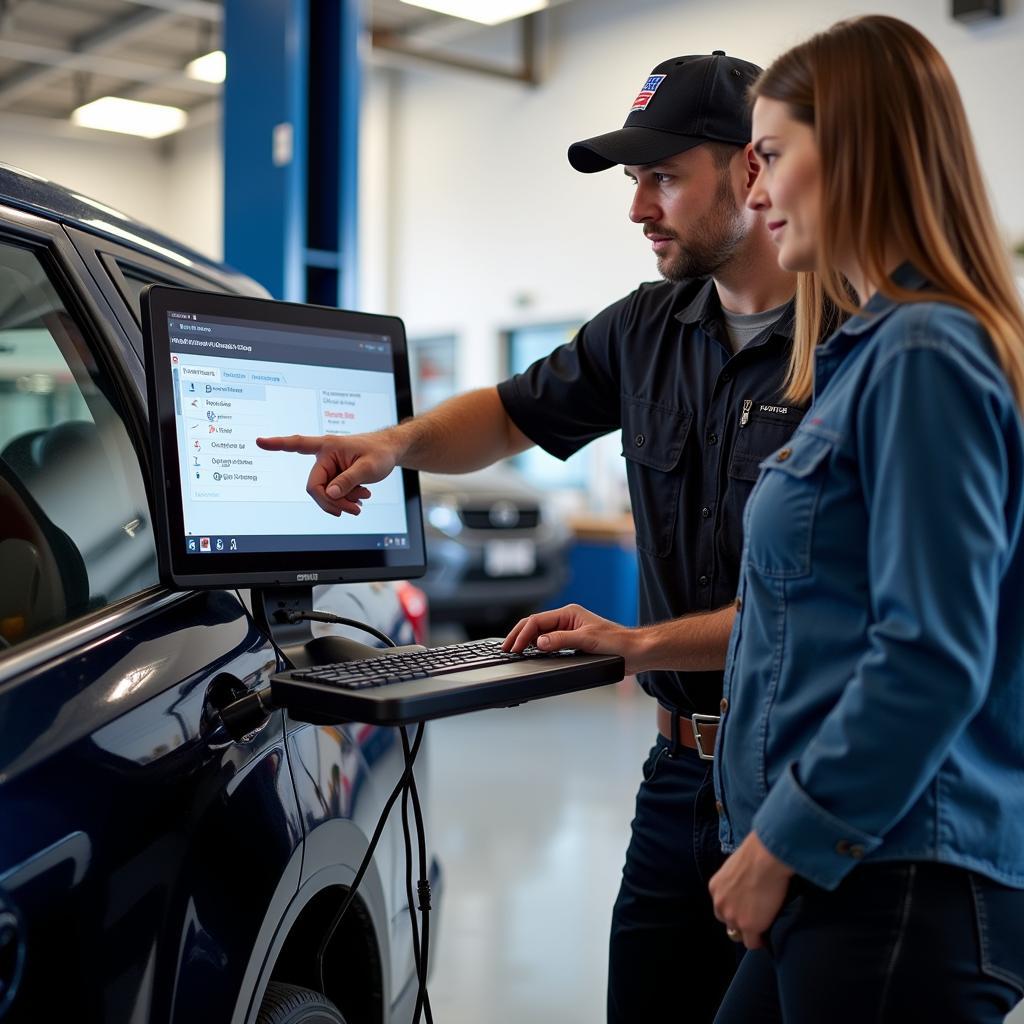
{"points": [[684, 101]]}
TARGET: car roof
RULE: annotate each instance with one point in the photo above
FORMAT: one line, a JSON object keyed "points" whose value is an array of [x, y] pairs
{"points": [[36, 194]]}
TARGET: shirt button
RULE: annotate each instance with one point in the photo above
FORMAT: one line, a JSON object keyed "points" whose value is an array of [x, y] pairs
{"points": [[706, 512], [723, 705], [843, 847], [719, 808], [639, 440], [784, 454], [856, 851], [739, 603], [703, 581], [712, 439], [725, 377]]}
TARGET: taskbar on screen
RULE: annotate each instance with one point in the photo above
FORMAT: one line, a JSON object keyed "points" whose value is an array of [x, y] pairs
{"points": [[214, 544]]}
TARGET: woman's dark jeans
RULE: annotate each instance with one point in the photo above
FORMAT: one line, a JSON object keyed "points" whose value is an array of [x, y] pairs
{"points": [[894, 943]]}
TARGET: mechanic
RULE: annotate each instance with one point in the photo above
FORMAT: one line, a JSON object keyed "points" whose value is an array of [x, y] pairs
{"points": [[691, 371]]}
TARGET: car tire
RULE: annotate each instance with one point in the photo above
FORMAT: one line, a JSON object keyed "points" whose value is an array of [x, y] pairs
{"points": [[291, 1004]]}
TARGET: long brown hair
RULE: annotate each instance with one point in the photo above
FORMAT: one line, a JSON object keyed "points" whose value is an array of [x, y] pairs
{"points": [[898, 165]]}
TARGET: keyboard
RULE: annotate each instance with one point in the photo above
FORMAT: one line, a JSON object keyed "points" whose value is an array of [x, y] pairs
{"points": [[436, 661], [414, 684]]}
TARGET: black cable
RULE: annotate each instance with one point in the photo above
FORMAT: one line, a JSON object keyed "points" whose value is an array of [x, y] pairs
{"points": [[340, 620], [395, 793], [405, 787], [421, 947]]}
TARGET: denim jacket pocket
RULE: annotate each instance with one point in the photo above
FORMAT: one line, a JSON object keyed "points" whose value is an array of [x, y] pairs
{"points": [[783, 507]]}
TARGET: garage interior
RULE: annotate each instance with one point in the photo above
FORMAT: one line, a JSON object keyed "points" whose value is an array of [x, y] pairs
{"points": [[412, 163]]}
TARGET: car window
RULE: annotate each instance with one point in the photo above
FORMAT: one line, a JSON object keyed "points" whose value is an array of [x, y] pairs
{"points": [[75, 532], [130, 278]]}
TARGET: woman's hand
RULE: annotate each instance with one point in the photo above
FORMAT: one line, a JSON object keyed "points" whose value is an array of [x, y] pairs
{"points": [[748, 891]]}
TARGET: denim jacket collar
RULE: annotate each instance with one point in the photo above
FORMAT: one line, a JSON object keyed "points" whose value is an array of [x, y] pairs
{"points": [[833, 351]]}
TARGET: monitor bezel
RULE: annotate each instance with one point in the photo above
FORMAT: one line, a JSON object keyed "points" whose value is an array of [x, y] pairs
{"points": [[182, 570]]}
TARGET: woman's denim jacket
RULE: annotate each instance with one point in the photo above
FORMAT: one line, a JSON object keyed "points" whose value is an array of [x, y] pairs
{"points": [[874, 692]]}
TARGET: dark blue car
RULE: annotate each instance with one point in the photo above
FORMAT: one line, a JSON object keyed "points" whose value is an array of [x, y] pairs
{"points": [[153, 866]]}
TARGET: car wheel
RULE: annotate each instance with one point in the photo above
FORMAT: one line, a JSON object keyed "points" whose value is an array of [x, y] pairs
{"points": [[291, 1004]]}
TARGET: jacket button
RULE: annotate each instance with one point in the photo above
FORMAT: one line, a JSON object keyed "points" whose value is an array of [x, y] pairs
{"points": [[843, 847], [639, 440], [706, 512], [784, 454], [739, 603], [703, 581], [856, 851], [719, 808], [712, 439], [723, 705]]}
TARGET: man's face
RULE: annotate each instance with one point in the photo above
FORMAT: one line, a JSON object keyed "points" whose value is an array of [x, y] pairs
{"points": [[690, 210]]}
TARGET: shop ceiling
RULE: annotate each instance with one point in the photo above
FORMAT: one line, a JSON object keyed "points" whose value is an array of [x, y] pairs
{"points": [[56, 55]]}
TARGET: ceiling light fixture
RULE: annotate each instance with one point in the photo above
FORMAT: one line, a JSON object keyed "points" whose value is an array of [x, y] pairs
{"points": [[484, 12], [212, 67], [131, 117]]}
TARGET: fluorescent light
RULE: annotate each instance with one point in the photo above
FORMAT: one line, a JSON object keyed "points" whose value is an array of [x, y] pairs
{"points": [[485, 12], [213, 67], [113, 114]]}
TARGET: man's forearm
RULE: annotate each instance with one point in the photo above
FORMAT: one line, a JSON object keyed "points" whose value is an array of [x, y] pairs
{"points": [[693, 643], [465, 433]]}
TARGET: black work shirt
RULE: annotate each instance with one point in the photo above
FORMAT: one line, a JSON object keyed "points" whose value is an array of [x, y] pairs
{"points": [[695, 420]]}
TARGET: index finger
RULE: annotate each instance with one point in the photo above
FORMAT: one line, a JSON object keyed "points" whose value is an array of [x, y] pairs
{"points": [[301, 443], [542, 622]]}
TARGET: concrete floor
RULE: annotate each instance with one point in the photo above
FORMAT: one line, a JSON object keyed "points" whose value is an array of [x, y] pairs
{"points": [[529, 811]]}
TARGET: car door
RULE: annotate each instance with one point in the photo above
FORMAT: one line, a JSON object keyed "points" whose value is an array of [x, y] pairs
{"points": [[140, 845]]}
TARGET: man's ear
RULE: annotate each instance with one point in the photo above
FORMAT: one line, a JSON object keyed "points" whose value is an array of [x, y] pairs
{"points": [[753, 165]]}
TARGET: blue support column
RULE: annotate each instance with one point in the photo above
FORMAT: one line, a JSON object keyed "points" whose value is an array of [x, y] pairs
{"points": [[291, 133]]}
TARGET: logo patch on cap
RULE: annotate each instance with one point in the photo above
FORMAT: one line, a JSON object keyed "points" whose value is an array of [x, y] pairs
{"points": [[647, 92]]}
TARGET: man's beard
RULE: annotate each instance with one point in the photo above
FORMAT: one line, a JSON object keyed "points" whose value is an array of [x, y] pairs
{"points": [[712, 241]]}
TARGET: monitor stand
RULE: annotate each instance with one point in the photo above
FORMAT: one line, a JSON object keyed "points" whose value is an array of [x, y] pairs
{"points": [[271, 607]]}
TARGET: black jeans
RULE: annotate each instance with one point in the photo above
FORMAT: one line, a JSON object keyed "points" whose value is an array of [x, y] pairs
{"points": [[669, 958], [893, 943]]}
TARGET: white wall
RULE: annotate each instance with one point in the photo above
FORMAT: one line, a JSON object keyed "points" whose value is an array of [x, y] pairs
{"points": [[492, 227], [173, 185]]}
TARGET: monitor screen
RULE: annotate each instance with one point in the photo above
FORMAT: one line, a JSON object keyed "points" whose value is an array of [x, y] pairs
{"points": [[225, 369]]}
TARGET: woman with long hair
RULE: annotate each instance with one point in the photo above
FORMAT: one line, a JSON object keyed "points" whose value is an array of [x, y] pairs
{"points": [[870, 762]]}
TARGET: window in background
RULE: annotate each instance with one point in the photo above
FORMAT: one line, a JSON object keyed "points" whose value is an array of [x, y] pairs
{"points": [[525, 345], [432, 367]]}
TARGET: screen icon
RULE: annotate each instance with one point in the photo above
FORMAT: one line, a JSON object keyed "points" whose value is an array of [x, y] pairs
{"points": [[211, 416], [220, 544], [191, 543], [192, 387], [208, 388], [204, 544], [234, 544]]}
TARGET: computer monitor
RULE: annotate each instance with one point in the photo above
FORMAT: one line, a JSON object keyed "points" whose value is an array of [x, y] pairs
{"points": [[225, 369]]}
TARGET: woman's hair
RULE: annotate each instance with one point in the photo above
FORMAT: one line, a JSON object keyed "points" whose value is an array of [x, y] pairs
{"points": [[898, 166]]}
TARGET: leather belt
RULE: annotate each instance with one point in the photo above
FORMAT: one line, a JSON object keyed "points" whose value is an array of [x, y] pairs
{"points": [[697, 732]]}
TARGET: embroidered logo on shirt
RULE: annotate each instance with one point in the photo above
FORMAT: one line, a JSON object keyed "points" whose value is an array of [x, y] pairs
{"points": [[780, 410], [647, 92]]}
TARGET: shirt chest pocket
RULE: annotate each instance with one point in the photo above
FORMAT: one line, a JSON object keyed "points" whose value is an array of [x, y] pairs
{"points": [[762, 430], [782, 510], [653, 441]]}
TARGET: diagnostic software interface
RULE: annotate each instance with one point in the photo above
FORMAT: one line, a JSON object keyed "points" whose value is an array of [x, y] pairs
{"points": [[234, 382]]}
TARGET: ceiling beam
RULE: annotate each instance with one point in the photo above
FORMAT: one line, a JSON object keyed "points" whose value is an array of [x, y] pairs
{"points": [[205, 10], [527, 71], [86, 54]]}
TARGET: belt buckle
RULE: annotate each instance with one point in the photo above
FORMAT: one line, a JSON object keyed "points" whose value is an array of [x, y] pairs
{"points": [[695, 721]]}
